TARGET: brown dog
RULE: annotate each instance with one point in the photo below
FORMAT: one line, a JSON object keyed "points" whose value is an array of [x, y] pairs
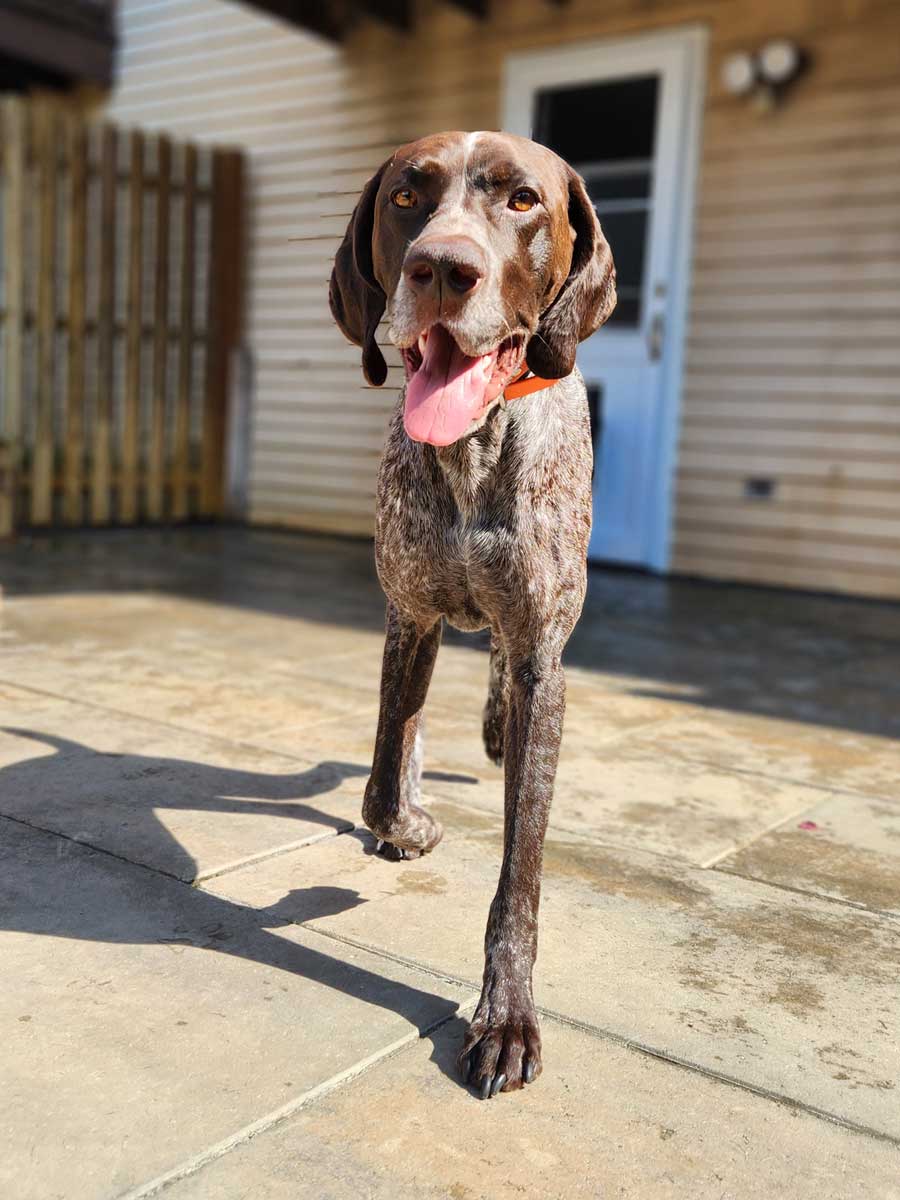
{"points": [[488, 257]]}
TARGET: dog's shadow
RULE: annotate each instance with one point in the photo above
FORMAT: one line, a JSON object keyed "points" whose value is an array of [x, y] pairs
{"points": [[106, 805]]}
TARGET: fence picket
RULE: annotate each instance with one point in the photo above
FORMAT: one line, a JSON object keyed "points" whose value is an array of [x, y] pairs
{"points": [[46, 164], [181, 450], [76, 232], [157, 456], [131, 414], [101, 459], [223, 322], [14, 153]]}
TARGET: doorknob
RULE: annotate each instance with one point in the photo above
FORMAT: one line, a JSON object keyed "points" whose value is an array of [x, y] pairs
{"points": [[656, 336]]}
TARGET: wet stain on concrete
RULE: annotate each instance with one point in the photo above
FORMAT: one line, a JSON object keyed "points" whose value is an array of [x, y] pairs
{"points": [[816, 863], [741, 1025], [700, 942], [799, 997], [850, 1069], [719, 1026], [695, 975], [421, 883], [843, 944], [468, 821], [649, 813], [601, 869], [783, 750], [880, 808], [612, 875]]}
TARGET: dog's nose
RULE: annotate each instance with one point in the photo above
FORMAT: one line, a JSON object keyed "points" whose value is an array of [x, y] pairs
{"points": [[449, 266]]}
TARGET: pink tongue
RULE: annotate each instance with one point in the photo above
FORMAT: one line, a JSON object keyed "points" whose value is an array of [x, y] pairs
{"points": [[447, 392]]}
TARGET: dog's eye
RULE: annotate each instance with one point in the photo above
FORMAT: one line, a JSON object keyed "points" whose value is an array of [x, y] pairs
{"points": [[523, 200], [404, 198]]}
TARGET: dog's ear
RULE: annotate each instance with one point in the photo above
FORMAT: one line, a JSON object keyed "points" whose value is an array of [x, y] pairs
{"points": [[356, 297], [586, 298]]}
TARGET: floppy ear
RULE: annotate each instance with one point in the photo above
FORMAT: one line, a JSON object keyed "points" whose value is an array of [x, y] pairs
{"points": [[586, 298], [356, 297]]}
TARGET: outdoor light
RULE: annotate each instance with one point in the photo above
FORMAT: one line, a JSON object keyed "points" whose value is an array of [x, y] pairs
{"points": [[779, 61], [739, 74], [764, 74]]}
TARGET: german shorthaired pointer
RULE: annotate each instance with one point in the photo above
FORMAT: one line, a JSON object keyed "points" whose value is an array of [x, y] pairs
{"points": [[486, 253]]}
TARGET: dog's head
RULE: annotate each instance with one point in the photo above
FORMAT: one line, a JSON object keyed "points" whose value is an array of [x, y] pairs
{"points": [[487, 254]]}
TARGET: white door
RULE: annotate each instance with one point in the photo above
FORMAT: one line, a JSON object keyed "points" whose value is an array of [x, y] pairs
{"points": [[626, 115]]}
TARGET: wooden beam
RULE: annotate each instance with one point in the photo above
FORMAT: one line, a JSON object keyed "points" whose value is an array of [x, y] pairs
{"points": [[74, 52], [475, 8], [94, 17], [328, 18], [395, 13]]}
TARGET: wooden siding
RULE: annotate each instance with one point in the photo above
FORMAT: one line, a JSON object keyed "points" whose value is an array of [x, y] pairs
{"points": [[793, 351]]}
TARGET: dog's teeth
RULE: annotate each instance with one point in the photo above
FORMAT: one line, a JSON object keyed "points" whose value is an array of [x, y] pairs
{"points": [[379, 844], [422, 341]]}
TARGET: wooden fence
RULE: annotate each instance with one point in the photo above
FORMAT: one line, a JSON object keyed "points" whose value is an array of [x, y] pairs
{"points": [[120, 309]]}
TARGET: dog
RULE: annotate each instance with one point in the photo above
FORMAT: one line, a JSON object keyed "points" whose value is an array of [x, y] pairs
{"points": [[485, 253]]}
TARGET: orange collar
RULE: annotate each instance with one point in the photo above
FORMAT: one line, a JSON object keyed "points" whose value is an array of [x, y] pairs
{"points": [[522, 386]]}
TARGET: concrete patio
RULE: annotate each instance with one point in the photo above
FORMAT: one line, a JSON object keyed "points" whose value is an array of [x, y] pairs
{"points": [[213, 988]]}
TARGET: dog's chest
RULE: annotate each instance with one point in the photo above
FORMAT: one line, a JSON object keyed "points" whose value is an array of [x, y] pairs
{"points": [[449, 566], [491, 527]]}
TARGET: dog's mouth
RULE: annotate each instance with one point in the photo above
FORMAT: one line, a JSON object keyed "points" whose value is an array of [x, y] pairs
{"points": [[447, 390]]}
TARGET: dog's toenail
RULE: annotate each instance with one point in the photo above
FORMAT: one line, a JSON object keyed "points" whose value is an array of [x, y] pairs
{"points": [[498, 1083], [485, 1087], [528, 1073]]}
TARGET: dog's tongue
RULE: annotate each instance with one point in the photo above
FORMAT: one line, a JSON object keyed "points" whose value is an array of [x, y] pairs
{"points": [[448, 391]]}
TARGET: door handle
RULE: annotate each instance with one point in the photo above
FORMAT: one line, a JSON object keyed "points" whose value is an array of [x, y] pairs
{"points": [[656, 336]]}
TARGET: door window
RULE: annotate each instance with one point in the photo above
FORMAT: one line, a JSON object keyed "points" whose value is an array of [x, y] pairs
{"points": [[607, 131]]}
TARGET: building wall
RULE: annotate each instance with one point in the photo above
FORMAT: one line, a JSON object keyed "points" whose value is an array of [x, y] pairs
{"points": [[793, 355]]}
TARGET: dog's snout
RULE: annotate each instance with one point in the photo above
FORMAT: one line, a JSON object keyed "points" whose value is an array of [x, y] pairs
{"points": [[449, 266]]}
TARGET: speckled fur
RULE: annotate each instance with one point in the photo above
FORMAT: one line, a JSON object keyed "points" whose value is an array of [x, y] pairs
{"points": [[491, 531]]}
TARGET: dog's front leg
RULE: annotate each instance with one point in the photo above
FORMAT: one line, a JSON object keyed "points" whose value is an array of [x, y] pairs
{"points": [[502, 1049], [390, 807]]}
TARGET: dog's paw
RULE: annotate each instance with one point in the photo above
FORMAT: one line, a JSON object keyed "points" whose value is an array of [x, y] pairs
{"points": [[395, 853], [492, 732], [501, 1054], [408, 834]]}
